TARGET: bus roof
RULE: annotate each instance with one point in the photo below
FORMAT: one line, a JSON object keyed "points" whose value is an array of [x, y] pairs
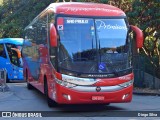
{"points": [[16, 41], [85, 9], [81, 9]]}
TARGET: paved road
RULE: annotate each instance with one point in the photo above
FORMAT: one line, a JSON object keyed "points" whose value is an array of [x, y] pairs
{"points": [[22, 99]]}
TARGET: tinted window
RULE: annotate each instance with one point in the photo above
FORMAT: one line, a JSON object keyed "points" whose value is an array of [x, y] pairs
{"points": [[2, 51]]}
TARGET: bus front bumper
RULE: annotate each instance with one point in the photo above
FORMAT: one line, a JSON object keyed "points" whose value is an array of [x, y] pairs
{"points": [[69, 96]]}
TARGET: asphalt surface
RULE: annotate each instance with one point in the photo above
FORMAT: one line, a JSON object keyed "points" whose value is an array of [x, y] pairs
{"points": [[19, 98]]}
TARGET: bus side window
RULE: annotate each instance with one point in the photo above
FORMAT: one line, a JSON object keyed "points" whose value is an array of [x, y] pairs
{"points": [[41, 30], [2, 51], [12, 54]]}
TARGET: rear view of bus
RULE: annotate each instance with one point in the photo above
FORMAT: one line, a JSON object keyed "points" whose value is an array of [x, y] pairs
{"points": [[10, 58], [83, 54]]}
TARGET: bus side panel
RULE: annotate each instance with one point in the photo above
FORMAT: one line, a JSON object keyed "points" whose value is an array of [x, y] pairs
{"points": [[5, 64], [26, 72]]}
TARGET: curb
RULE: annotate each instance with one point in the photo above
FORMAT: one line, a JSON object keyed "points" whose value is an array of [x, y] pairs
{"points": [[145, 93]]}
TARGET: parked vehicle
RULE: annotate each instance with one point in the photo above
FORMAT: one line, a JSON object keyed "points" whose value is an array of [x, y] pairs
{"points": [[10, 58]]}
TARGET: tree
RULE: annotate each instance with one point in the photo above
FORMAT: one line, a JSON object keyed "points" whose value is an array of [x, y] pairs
{"points": [[16, 14], [145, 14]]}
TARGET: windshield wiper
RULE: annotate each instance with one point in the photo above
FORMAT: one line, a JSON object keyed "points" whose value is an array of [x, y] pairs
{"points": [[114, 71]]}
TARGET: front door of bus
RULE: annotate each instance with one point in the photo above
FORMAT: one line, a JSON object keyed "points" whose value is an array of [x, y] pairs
{"points": [[4, 60]]}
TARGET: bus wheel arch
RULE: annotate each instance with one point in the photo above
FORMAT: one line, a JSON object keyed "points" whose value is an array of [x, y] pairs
{"points": [[26, 74], [29, 86]]}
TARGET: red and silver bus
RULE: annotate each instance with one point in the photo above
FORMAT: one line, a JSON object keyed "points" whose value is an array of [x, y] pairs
{"points": [[80, 53]]}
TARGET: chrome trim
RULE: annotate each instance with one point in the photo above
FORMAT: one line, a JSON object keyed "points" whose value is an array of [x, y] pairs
{"points": [[85, 84], [93, 89], [103, 89]]}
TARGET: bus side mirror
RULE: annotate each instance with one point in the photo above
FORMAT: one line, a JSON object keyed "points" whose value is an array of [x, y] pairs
{"points": [[53, 35], [139, 36]]}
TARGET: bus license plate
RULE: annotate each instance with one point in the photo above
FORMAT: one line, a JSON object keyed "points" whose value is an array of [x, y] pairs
{"points": [[97, 97]]}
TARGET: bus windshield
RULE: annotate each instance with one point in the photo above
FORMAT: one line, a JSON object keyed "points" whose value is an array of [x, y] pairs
{"points": [[93, 45]]}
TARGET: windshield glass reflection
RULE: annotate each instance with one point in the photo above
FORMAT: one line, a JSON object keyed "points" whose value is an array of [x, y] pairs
{"points": [[93, 45]]}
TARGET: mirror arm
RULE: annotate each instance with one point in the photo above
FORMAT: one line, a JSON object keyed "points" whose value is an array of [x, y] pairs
{"points": [[139, 36]]}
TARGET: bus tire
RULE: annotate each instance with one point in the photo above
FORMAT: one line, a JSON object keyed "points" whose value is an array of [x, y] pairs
{"points": [[7, 79], [29, 86], [108, 104], [50, 102]]}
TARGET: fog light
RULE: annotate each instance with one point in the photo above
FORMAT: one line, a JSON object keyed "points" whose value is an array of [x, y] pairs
{"points": [[124, 96], [68, 97]]}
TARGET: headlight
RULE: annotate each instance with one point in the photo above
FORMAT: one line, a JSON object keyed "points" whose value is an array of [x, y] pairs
{"points": [[65, 84], [126, 84], [21, 71], [71, 81], [78, 81]]}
